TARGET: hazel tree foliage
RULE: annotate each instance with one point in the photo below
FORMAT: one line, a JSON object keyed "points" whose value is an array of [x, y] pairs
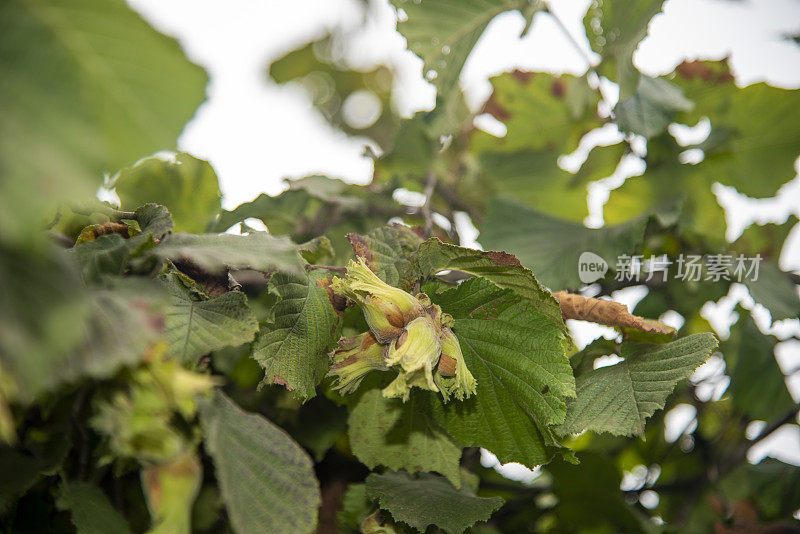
{"points": [[166, 368]]}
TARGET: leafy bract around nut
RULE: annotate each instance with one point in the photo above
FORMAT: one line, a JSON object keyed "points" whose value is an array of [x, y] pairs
{"points": [[407, 333], [387, 309], [354, 358]]}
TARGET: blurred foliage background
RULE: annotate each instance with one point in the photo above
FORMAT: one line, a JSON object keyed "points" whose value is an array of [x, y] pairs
{"points": [[116, 316]]}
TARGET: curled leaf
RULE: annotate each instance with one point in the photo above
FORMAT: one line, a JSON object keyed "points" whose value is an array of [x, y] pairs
{"points": [[607, 312]]}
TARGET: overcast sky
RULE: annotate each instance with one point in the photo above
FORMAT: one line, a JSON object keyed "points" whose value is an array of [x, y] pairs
{"points": [[255, 133]]}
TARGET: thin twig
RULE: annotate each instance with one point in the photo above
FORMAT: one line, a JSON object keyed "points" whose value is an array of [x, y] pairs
{"points": [[786, 419], [590, 66], [430, 187], [571, 39]]}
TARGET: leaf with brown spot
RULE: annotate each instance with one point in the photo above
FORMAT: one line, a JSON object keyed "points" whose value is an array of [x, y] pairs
{"points": [[705, 70], [339, 302], [503, 269], [390, 252]]}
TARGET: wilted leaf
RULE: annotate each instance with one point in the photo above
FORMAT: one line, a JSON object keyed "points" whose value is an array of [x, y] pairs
{"points": [[609, 313]]}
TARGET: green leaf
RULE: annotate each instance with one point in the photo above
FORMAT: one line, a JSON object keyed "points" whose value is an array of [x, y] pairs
{"points": [[533, 177], [106, 255], [267, 481], [614, 30], [319, 424], [259, 251], [281, 214], [757, 385], [56, 331], [765, 239], [755, 130], [154, 219], [355, 505], [443, 33], [775, 291], [545, 116], [318, 67], [187, 186], [517, 355], [390, 433], [772, 484], [503, 269], [318, 250], [90, 509], [619, 398], [294, 347], [675, 192], [87, 88], [541, 112], [317, 205], [552, 247], [424, 499], [601, 162], [390, 252], [651, 108], [196, 324]]}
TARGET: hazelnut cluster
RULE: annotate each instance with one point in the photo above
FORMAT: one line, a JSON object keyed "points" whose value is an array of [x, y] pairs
{"points": [[406, 333]]}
